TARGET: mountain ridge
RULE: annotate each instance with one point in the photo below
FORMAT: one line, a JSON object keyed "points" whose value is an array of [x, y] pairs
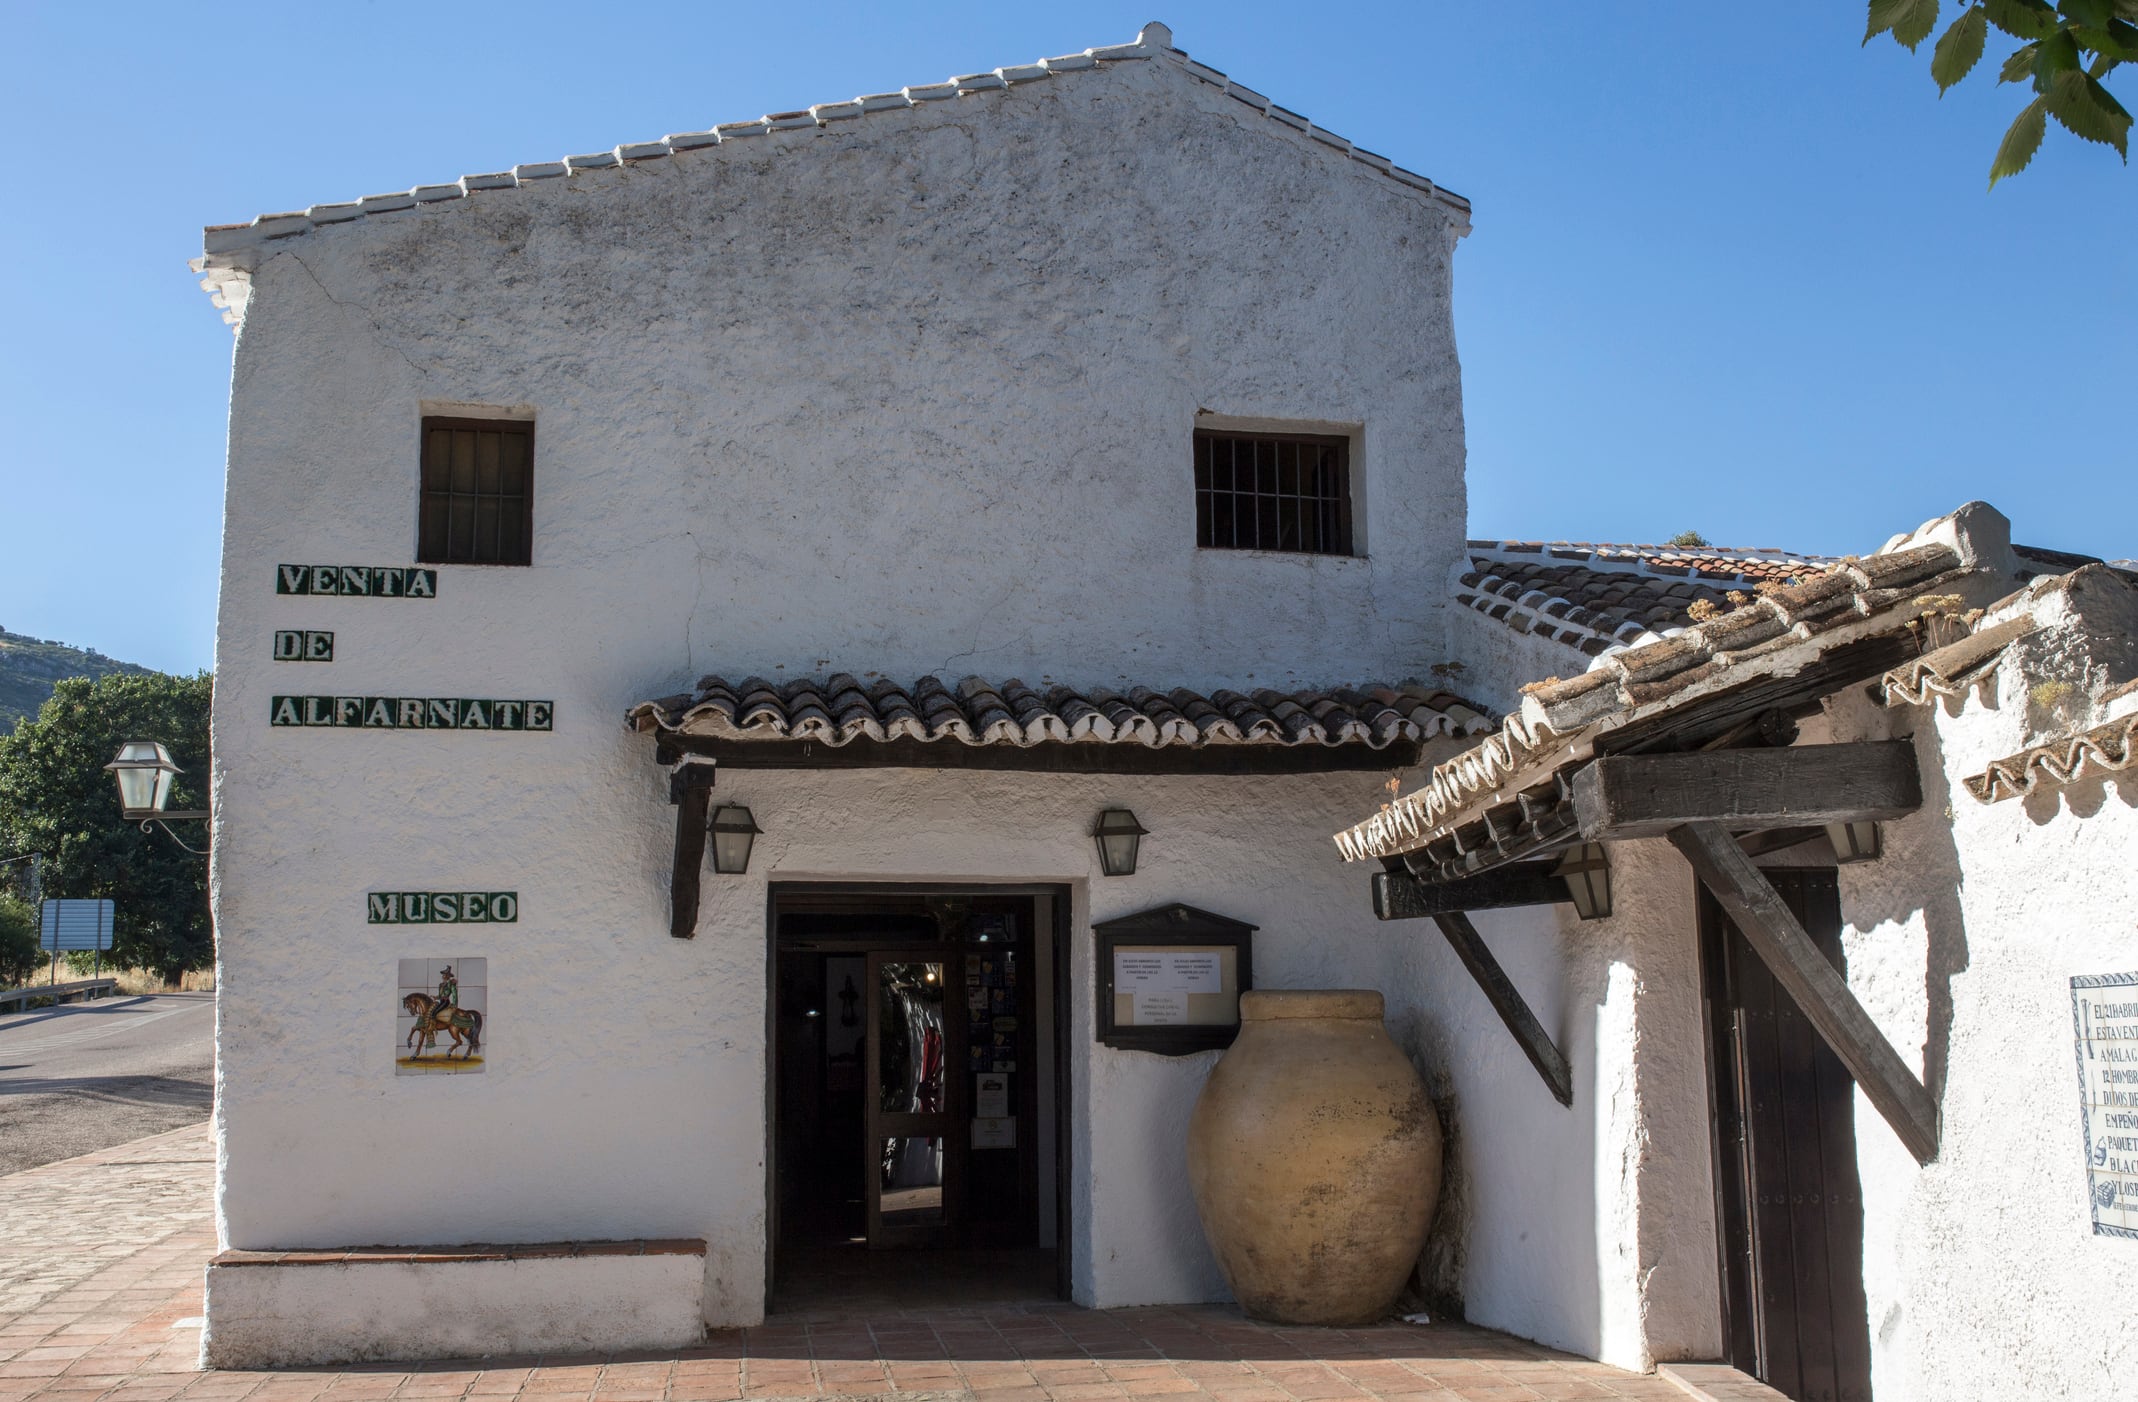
{"points": [[30, 667]]}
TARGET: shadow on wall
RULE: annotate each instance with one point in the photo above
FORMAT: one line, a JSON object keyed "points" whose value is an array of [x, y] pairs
{"points": [[1923, 847], [2084, 796], [1513, 1242]]}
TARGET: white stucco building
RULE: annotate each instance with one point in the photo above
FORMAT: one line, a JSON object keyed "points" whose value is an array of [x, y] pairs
{"points": [[1126, 403]]}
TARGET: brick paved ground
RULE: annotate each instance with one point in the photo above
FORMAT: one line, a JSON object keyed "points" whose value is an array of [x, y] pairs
{"points": [[100, 1297]]}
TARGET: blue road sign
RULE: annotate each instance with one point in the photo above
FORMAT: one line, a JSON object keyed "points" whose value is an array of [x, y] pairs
{"points": [[74, 925]]}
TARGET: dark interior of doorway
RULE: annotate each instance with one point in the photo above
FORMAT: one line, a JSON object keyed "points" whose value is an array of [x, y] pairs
{"points": [[918, 1136], [1789, 1200]]}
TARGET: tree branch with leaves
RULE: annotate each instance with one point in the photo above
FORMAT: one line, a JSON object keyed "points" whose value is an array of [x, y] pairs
{"points": [[2066, 49]]}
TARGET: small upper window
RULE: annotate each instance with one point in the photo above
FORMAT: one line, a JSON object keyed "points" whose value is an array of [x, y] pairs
{"points": [[477, 505], [1273, 491]]}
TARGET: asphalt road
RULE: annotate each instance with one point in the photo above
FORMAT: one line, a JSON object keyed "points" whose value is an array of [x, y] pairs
{"points": [[85, 1076]]}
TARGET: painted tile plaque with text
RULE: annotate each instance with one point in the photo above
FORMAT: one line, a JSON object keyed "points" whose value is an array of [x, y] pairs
{"points": [[2104, 1019]]}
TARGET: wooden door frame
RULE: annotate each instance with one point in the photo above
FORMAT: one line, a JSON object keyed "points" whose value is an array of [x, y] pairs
{"points": [[1066, 1125]]}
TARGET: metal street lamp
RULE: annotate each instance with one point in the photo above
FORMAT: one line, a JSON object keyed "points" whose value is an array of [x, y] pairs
{"points": [[734, 830], [144, 771], [1119, 836]]}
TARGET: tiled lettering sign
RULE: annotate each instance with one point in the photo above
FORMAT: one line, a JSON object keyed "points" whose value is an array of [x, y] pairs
{"points": [[2104, 1019], [413, 713], [442, 907], [294, 646], [358, 581], [441, 1021]]}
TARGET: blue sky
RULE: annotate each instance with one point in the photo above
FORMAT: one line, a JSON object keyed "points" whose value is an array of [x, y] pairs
{"points": [[1730, 270]]}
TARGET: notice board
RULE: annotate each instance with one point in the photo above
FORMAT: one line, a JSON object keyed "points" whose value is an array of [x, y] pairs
{"points": [[1169, 980]]}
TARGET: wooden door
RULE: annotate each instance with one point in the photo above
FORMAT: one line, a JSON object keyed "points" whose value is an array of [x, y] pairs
{"points": [[1789, 1199], [912, 1158]]}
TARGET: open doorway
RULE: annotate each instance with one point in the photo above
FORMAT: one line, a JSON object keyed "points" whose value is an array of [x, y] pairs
{"points": [[918, 1136]]}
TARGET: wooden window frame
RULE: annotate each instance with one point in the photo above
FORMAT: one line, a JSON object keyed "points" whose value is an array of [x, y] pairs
{"points": [[1318, 519], [432, 552]]}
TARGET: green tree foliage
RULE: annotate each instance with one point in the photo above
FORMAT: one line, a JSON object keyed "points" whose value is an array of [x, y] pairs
{"points": [[1687, 540], [55, 798], [2065, 51], [19, 955]]}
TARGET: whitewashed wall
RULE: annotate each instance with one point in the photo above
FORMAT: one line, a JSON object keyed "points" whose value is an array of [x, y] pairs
{"points": [[1984, 1277], [905, 395]]}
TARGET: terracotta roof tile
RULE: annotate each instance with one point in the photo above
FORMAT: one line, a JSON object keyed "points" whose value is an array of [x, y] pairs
{"points": [[841, 708], [1599, 597], [2110, 747], [1774, 634]]}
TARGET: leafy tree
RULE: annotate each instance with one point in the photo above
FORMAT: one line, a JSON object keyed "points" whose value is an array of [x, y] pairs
{"points": [[19, 954], [2066, 49], [56, 798], [1687, 540]]}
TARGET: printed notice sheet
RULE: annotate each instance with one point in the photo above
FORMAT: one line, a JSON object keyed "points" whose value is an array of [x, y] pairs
{"points": [[1167, 971]]}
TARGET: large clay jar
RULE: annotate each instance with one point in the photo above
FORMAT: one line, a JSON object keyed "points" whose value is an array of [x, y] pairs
{"points": [[1315, 1159]]}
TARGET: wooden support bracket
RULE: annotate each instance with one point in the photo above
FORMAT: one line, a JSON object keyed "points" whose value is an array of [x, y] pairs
{"points": [[1818, 988], [1506, 1000], [690, 789], [1400, 896]]}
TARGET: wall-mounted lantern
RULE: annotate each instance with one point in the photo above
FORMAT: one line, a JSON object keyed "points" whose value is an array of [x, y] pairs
{"points": [[1587, 874], [733, 831], [1854, 842], [144, 771], [1119, 836]]}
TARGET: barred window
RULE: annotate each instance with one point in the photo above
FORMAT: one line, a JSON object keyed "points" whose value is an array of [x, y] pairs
{"points": [[1271, 491], [477, 501]]}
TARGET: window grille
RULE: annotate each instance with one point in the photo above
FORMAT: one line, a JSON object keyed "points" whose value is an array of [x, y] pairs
{"points": [[1263, 491], [477, 501]]}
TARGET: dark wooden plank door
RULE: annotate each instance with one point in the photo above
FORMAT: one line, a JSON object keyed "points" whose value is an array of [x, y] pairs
{"points": [[1790, 1203]]}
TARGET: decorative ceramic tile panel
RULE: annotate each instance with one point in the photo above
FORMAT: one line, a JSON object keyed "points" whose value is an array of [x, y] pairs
{"points": [[441, 1016], [2104, 1024]]}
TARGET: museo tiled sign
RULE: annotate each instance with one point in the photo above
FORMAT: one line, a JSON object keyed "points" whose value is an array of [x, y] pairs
{"points": [[441, 907], [357, 581], [413, 713]]}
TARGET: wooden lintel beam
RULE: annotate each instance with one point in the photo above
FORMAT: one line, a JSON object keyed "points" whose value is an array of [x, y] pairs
{"points": [[1648, 795], [1506, 1000], [690, 789], [1397, 895], [1818, 988]]}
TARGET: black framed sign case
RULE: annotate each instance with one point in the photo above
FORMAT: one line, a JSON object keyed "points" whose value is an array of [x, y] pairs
{"points": [[1169, 979]]}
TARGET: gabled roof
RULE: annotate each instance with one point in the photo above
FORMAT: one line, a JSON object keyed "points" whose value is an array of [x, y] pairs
{"points": [[225, 247]]}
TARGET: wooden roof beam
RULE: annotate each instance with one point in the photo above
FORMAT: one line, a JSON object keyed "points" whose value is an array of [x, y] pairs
{"points": [[1650, 795]]}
